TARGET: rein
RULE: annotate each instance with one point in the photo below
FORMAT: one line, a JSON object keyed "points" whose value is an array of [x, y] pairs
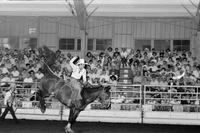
{"points": [[50, 69]]}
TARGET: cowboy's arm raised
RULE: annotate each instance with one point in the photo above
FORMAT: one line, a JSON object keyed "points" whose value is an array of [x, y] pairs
{"points": [[72, 62]]}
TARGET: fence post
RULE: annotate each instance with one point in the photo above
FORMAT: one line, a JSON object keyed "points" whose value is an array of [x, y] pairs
{"points": [[143, 88], [61, 112]]}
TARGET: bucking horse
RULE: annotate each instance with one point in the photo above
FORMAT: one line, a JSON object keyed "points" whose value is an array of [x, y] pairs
{"points": [[52, 84]]}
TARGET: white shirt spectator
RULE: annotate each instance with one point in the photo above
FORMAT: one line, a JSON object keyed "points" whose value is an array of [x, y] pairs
{"points": [[99, 71], [92, 76], [4, 70], [28, 80], [15, 73], [12, 78], [39, 75], [5, 80], [92, 66], [35, 68], [104, 77], [154, 82], [12, 61], [196, 73], [26, 59]]}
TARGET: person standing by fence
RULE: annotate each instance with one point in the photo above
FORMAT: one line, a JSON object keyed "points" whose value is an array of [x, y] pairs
{"points": [[8, 101]]}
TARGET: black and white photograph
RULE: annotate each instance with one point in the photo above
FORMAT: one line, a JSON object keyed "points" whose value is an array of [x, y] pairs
{"points": [[99, 66]]}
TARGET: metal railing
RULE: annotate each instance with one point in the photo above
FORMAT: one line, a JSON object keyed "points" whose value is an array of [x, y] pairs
{"points": [[145, 99], [126, 97], [172, 98]]}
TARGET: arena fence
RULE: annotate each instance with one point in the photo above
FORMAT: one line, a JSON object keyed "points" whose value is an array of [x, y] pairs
{"points": [[129, 103], [171, 104]]}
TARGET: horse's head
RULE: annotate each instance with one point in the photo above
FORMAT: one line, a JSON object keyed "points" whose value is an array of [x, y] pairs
{"points": [[104, 97]]}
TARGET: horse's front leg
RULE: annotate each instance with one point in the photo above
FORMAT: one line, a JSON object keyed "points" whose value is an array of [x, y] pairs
{"points": [[68, 126], [72, 118]]}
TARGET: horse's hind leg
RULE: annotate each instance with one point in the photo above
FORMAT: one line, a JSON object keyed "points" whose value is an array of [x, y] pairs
{"points": [[68, 126], [72, 118]]}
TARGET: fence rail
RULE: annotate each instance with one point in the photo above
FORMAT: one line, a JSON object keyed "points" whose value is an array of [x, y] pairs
{"points": [[143, 99]]}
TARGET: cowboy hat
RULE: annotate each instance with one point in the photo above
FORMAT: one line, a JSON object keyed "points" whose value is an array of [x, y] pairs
{"points": [[81, 61]]}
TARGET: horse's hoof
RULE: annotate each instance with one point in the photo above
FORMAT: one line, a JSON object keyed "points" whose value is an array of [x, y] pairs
{"points": [[69, 130]]}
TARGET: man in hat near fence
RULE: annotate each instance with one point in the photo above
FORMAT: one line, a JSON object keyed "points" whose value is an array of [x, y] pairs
{"points": [[8, 102], [78, 73]]}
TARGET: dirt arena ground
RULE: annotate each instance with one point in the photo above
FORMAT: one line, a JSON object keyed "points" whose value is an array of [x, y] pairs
{"points": [[29, 126]]}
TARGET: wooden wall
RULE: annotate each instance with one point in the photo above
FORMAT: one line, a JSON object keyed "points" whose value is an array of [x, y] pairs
{"points": [[123, 31]]}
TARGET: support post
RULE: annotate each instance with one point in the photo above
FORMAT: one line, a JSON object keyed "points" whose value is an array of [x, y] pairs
{"points": [[83, 43], [197, 45]]}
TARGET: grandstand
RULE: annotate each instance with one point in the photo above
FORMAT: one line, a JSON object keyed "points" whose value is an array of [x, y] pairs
{"points": [[137, 47]]}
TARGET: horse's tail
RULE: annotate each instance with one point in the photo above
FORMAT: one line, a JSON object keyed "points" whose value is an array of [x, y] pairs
{"points": [[40, 98]]}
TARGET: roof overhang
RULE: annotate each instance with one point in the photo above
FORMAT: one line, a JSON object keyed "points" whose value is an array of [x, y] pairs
{"points": [[108, 8]]}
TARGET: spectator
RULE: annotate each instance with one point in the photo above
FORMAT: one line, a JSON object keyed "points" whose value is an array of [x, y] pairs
{"points": [[28, 81], [104, 77], [137, 78], [34, 68], [154, 80], [12, 79], [88, 56], [4, 69], [136, 67], [5, 81], [196, 72], [22, 64], [15, 72], [32, 73], [110, 51], [116, 53], [113, 80]]}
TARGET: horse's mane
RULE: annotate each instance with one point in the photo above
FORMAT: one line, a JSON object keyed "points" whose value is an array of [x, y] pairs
{"points": [[49, 63], [48, 73]]}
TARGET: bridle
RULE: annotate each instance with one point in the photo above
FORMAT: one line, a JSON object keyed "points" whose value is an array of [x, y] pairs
{"points": [[50, 69]]}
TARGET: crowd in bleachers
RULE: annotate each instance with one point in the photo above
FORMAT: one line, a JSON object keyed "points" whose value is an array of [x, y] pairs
{"points": [[19, 66], [148, 66]]}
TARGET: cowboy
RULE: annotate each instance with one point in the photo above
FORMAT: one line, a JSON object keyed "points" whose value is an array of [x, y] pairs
{"points": [[78, 72], [8, 101]]}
